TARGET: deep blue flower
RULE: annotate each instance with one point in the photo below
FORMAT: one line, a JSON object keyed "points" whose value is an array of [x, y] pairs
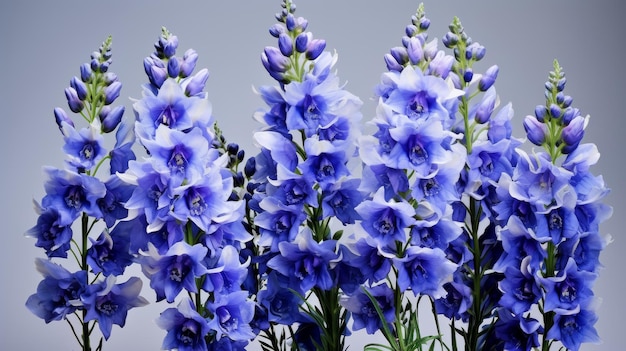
{"points": [[232, 314], [174, 271], [122, 152], [58, 294], [281, 151], [518, 243], [278, 222], [520, 288], [292, 188], [110, 253], [108, 303], [172, 108], [439, 235], [84, 148], [72, 193], [325, 162], [364, 313], [573, 328], [227, 275], [424, 271], [386, 221], [341, 199], [456, 302], [420, 96], [306, 260], [517, 333], [182, 156], [52, 236], [112, 204], [570, 289], [186, 329], [558, 224], [373, 265], [280, 302]]}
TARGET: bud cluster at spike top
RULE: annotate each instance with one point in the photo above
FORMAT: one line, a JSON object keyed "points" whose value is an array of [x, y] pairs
{"points": [[326, 230]]}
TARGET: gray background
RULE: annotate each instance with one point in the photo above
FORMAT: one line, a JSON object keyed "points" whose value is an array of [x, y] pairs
{"points": [[44, 42]]}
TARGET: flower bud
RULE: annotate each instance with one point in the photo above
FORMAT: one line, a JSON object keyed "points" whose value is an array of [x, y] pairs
{"points": [[573, 133], [157, 75], [569, 114], [468, 75], [60, 116], [414, 50], [285, 44], [232, 148], [290, 22], [567, 101], [555, 111], [424, 23], [250, 167], [535, 130], [240, 155], [540, 113], [487, 80], [85, 73], [399, 53], [195, 85], [410, 30], [104, 66], [275, 60], [80, 87], [189, 63], [276, 30], [112, 119], [392, 63], [238, 180], [112, 92], [486, 106], [560, 85], [109, 78], [74, 103], [450, 40], [173, 67], [315, 48], [302, 41]]}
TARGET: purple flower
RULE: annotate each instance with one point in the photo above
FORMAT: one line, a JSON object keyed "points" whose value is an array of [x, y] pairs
{"points": [[58, 294], [325, 163], [108, 303], [232, 314], [112, 204], [278, 222], [186, 329], [341, 199], [174, 271], [456, 302], [364, 313], [424, 271], [228, 274], [122, 152], [306, 260]]}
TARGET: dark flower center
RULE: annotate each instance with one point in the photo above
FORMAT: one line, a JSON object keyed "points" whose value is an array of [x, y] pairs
{"points": [[74, 197]]}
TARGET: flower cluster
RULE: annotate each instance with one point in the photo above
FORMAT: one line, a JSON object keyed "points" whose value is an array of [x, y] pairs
{"points": [[187, 225], [302, 185], [327, 230], [76, 196]]}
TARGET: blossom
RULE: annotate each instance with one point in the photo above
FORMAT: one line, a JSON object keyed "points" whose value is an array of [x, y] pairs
{"points": [[232, 314], [306, 260], [51, 235], [172, 108], [574, 328], [384, 220], [174, 271], [282, 305], [108, 303], [186, 328], [83, 148], [363, 311], [58, 294], [424, 270], [110, 253]]}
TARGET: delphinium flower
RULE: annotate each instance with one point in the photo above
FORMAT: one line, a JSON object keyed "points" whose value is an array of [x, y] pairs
{"points": [[490, 154], [185, 207], [412, 166], [78, 197], [301, 187], [552, 205]]}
